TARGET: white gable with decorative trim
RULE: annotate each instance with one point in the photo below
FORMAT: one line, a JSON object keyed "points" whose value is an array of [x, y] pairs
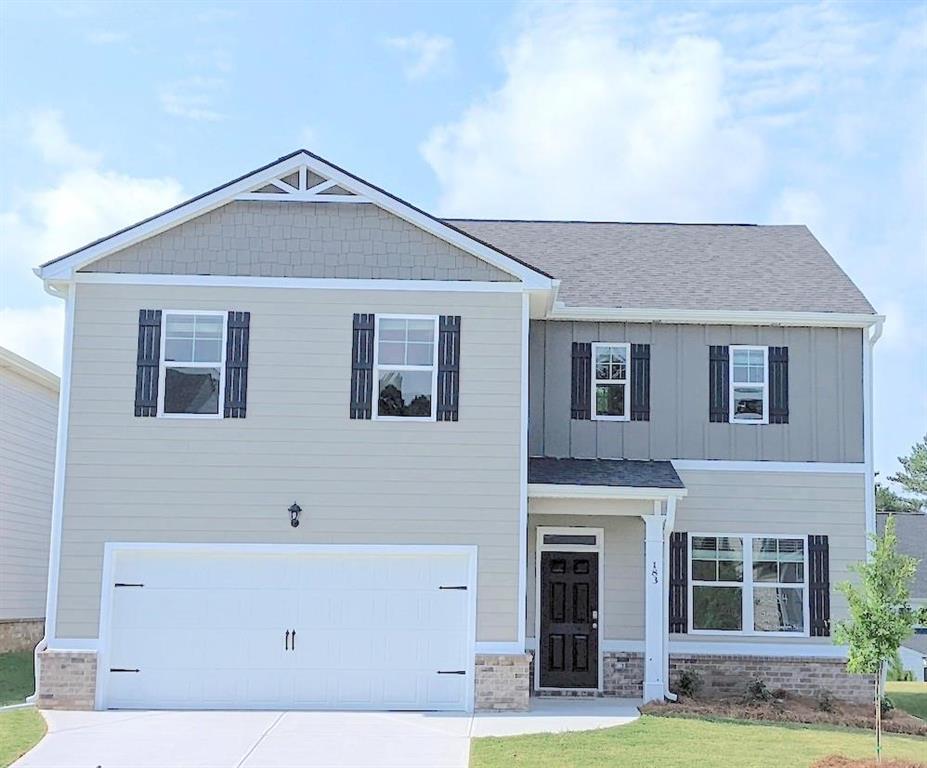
{"points": [[297, 178]]}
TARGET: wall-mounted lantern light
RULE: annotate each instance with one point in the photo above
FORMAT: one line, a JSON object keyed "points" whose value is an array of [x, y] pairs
{"points": [[294, 511]]}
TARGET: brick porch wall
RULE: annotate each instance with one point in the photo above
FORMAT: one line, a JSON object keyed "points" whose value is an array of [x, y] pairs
{"points": [[502, 682], [20, 634], [67, 679], [728, 675]]}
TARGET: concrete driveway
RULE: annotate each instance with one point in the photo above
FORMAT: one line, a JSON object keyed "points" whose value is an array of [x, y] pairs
{"points": [[296, 739]]}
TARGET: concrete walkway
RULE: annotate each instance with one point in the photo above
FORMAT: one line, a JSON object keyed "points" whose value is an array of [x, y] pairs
{"points": [[298, 739]]}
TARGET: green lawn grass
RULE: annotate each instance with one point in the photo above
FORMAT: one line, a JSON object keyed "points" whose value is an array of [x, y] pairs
{"points": [[16, 677], [911, 697], [20, 730], [687, 743]]}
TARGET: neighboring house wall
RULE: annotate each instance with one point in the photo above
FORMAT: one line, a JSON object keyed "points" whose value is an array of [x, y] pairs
{"points": [[232, 480], [280, 239], [825, 395], [28, 424]]}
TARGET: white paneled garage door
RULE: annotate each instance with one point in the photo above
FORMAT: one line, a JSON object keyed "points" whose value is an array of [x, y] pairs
{"points": [[309, 628]]}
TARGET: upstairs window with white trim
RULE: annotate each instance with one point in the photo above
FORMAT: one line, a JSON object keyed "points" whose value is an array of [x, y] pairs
{"points": [[749, 385], [755, 585], [611, 394], [405, 367], [193, 364]]}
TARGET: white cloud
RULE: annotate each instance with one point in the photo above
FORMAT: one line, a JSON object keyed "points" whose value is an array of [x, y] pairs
{"points": [[587, 125], [85, 202], [425, 54], [193, 98], [48, 136], [36, 334]]}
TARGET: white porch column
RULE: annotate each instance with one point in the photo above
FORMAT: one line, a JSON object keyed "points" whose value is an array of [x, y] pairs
{"points": [[654, 607]]}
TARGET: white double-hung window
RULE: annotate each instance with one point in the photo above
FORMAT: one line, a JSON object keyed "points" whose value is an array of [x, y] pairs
{"points": [[405, 367], [748, 584], [749, 385], [192, 364], [611, 394]]}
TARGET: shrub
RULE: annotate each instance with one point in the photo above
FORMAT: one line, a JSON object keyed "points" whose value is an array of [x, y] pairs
{"points": [[825, 701], [689, 683], [757, 690], [886, 705], [897, 673]]}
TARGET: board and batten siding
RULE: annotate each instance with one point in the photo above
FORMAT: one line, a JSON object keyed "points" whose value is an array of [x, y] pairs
{"points": [[28, 426], [232, 480], [718, 502], [825, 395]]}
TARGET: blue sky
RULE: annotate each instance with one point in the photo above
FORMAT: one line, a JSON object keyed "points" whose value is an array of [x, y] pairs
{"points": [[811, 113]]}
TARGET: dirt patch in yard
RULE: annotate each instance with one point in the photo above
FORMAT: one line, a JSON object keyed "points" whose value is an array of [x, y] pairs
{"points": [[784, 708]]}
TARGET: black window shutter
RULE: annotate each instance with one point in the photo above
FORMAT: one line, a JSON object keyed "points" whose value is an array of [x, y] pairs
{"points": [[362, 367], [448, 368], [582, 380], [237, 337], [819, 585], [640, 382], [679, 582], [147, 362], [778, 385], [718, 384]]}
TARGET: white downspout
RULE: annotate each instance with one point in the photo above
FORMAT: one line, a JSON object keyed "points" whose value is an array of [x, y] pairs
{"points": [[669, 524], [869, 340]]}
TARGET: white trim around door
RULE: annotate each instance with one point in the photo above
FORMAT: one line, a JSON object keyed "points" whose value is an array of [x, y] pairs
{"points": [[599, 548]]}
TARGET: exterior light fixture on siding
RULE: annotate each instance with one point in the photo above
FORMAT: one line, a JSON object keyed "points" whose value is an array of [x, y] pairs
{"points": [[294, 511]]}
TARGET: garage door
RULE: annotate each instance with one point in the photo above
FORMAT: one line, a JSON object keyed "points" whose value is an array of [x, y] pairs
{"points": [[326, 628]]}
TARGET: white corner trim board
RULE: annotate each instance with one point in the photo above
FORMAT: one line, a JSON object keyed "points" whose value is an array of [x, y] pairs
{"points": [[697, 465], [523, 475]]}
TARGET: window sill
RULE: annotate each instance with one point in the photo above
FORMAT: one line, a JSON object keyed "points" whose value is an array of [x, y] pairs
{"points": [[193, 416], [741, 633], [596, 417]]}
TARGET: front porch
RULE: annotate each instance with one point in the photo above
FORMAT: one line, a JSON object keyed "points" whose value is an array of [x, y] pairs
{"points": [[598, 545]]}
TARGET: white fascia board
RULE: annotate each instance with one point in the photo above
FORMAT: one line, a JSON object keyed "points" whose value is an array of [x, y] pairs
{"points": [[558, 491], [65, 268], [29, 370], [329, 283], [699, 465], [715, 317]]}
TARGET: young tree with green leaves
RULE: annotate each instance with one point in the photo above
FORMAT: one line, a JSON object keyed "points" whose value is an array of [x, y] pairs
{"points": [[881, 616]]}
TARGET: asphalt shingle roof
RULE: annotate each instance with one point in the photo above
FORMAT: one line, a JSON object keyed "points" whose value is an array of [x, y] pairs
{"points": [[679, 266], [614, 472]]}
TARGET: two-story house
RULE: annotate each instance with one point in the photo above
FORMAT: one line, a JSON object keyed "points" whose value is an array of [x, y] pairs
{"points": [[320, 449]]}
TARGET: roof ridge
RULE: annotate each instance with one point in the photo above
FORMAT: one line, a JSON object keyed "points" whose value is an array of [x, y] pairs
{"points": [[636, 223]]}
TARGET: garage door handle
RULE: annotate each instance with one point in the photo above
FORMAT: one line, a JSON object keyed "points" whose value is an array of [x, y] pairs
{"points": [[286, 641], [452, 671], [293, 641]]}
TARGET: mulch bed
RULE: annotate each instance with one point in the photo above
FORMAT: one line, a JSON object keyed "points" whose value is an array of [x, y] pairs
{"points": [[785, 708]]}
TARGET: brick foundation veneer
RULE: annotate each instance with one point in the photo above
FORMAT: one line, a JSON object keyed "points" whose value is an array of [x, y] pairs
{"points": [[502, 682], [728, 675], [20, 634], [67, 679]]}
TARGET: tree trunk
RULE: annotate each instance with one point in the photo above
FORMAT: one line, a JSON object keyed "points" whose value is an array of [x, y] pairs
{"points": [[878, 714]]}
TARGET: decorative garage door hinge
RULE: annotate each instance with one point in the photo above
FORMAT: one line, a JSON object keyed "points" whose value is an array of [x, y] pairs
{"points": [[117, 669], [461, 587], [452, 671], [121, 584]]}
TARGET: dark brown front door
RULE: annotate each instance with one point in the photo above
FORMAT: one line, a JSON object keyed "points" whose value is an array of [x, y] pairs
{"points": [[569, 643]]}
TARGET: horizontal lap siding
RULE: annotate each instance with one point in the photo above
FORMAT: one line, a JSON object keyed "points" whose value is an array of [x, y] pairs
{"points": [[28, 424], [799, 503], [825, 395], [232, 480]]}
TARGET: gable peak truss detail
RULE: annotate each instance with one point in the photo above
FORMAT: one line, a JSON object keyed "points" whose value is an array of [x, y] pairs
{"points": [[302, 184]]}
